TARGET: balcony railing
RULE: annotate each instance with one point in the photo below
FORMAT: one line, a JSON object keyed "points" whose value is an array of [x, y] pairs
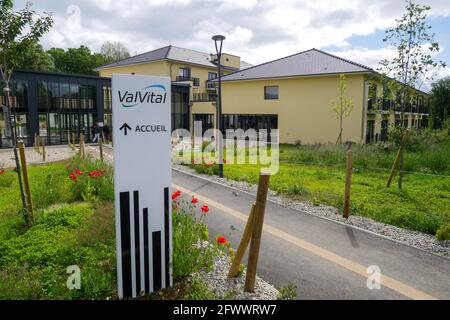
{"points": [[204, 97], [195, 81]]}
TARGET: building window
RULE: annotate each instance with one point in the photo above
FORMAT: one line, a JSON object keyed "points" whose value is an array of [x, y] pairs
{"points": [[212, 75], [271, 92], [370, 131], [180, 111], [384, 130], [184, 74]]}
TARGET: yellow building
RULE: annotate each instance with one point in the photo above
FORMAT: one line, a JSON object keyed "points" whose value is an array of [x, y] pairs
{"points": [[293, 94], [193, 95]]}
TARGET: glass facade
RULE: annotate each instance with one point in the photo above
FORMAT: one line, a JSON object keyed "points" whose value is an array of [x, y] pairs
{"points": [[180, 110]]}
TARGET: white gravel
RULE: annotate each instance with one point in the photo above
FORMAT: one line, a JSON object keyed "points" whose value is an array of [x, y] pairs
{"points": [[412, 238], [217, 281]]}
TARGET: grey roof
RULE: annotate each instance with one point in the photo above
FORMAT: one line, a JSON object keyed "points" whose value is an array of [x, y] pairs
{"points": [[311, 62], [245, 65], [170, 53]]}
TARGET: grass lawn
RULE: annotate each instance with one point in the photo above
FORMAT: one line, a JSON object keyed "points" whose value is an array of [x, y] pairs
{"points": [[317, 174]]}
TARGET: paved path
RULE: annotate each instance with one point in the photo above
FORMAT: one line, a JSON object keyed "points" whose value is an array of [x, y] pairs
{"points": [[325, 260], [52, 153]]}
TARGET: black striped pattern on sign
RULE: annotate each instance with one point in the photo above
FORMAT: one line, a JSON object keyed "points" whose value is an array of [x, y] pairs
{"points": [[152, 259]]}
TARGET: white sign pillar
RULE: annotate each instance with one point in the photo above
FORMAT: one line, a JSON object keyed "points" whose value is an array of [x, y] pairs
{"points": [[141, 107]]}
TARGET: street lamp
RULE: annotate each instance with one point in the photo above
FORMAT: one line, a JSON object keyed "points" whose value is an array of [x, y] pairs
{"points": [[218, 40]]}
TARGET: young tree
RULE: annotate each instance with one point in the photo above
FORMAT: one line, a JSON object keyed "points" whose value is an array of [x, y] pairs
{"points": [[114, 51], [342, 107], [19, 30], [415, 46]]}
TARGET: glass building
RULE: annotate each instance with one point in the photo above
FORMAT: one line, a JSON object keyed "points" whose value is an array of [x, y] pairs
{"points": [[56, 105]]}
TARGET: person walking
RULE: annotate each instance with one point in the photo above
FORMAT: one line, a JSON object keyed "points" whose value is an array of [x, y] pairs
{"points": [[95, 132]]}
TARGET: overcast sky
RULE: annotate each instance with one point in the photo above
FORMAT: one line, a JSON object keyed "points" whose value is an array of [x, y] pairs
{"points": [[256, 30]]}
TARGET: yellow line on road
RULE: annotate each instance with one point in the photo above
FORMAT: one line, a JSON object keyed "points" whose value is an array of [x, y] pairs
{"points": [[389, 282]]}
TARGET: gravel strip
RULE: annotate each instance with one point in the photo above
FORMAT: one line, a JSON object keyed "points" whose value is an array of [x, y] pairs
{"points": [[412, 238], [52, 154], [217, 281]]}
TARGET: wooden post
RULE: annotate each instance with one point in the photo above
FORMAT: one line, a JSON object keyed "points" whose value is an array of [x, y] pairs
{"points": [[397, 158], [81, 146], [100, 145], [258, 222], [43, 150], [348, 184], [245, 240], [26, 182], [38, 143]]}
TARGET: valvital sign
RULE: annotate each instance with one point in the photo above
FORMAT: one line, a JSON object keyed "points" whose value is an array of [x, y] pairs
{"points": [[142, 180]]}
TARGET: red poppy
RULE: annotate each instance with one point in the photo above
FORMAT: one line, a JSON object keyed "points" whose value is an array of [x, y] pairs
{"points": [[221, 240], [72, 176], [208, 165], [204, 208], [2, 171], [78, 172], [194, 200], [94, 174], [176, 194], [224, 161]]}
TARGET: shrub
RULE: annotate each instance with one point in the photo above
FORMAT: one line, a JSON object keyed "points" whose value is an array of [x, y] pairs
{"points": [[189, 233], [91, 180], [443, 233]]}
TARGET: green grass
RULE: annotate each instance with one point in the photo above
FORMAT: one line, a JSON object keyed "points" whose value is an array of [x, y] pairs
{"points": [[316, 173]]}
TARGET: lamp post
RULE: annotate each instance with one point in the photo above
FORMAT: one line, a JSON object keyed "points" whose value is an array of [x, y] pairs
{"points": [[218, 40]]}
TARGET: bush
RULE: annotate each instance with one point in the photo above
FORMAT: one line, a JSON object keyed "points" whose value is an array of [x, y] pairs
{"points": [[91, 180], [443, 233], [189, 233]]}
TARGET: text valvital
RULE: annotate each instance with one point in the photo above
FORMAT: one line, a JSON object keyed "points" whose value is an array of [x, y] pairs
{"points": [[131, 99]]}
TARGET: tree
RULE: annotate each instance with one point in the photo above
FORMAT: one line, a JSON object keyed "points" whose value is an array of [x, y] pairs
{"points": [[114, 51], [415, 46], [76, 60], [35, 58], [19, 31], [440, 102], [342, 107]]}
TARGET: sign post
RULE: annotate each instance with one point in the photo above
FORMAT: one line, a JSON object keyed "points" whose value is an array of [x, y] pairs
{"points": [[142, 179]]}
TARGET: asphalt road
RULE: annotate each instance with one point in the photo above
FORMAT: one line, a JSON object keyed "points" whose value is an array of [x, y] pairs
{"points": [[324, 259]]}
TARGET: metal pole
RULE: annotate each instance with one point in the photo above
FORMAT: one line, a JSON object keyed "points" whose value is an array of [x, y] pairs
{"points": [[219, 122]]}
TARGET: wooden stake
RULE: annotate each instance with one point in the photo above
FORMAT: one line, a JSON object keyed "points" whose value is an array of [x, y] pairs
{"points": [[258, 222], [43, 150], [397, 158], [348, 184], [81, 146], [26, 181], [245, 240], [100, 145]]}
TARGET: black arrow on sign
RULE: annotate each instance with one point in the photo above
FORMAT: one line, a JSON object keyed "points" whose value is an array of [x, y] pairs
{"points": [[125, 127]]}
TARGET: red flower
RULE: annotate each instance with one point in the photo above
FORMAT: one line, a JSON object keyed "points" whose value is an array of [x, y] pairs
{"points": [[224, 161], [208, 165], [78, 172], [204, 208], [2, 171], [194, 200], [94, 174], [221, 240], [176, 194], [72, 176]]}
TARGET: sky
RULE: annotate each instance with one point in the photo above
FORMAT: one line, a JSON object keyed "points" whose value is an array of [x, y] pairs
{"points": [[256, 30]]}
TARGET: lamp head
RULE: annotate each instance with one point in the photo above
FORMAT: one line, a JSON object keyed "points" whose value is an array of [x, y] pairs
{"points": [[218, 37]]}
